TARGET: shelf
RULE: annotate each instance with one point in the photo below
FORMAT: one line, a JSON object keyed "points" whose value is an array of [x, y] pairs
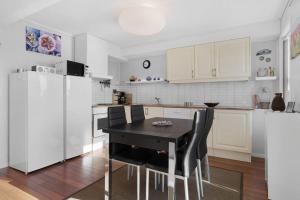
{"points": [[266, 78], [145, 82]]}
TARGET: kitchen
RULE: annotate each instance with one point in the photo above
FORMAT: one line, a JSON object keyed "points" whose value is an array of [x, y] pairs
{"points": [[172, 76]]}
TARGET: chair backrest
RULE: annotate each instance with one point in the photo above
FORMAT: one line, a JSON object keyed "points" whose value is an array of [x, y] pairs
{"points": [[116, 116], [137, 113], [202, 148], [190, 156]]}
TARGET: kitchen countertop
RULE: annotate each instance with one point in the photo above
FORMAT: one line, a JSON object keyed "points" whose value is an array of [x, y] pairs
{"points": [[182, 106]]}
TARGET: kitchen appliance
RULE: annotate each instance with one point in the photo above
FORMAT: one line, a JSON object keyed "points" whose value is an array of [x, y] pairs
{"points": [[118, 97], [72, 68], [99, 121], [35, 120], [77, 115], [40, 68]]}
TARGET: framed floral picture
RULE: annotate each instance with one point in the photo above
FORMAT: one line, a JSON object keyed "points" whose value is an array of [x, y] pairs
{"points": [[295, 41], [42, 42]]}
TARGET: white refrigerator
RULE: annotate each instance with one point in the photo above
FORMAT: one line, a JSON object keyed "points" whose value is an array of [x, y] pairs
{"points": [[77, 115], [35, 120]]}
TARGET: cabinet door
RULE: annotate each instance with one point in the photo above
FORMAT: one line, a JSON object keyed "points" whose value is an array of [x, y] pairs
{"points": [[151, 112], [204, 58], [232, 58], [180, 64], [179, 113], [232, 130]]}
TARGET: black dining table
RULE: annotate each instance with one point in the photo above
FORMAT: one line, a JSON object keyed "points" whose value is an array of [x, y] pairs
{"points": [[144, 134]]}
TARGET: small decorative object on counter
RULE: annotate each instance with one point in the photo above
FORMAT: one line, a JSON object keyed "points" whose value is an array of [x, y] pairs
{"points": [[260, 72], [278, 103], [290, 107], [148, 78], [132, 78], [211, 105], [162, 123]]}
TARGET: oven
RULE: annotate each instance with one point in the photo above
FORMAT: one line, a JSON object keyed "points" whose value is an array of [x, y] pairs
{"points": [[99, 121]]}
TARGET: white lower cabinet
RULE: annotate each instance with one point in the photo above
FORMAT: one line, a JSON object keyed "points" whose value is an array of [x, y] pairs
{"points": [[231, 134], [232, 131], [151, 112], [180, 113]]}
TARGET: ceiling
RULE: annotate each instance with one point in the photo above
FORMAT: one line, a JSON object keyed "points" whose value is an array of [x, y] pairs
{"points": [[14, 10], [184, 17]]}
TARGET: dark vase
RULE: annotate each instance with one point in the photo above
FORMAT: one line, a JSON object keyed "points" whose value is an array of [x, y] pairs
{"points": [[278, 103]]}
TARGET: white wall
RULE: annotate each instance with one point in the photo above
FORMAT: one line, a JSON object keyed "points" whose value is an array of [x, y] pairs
{"points": [[288, 22], [12, 56], [135, 67]]}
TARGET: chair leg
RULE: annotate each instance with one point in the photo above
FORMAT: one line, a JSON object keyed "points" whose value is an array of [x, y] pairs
{"points": [[198, 184], [155, 180], [138, 182], [200, 177], [163, 183], [147, 184], [132, 168], [158, 179], [186, 188], [128, 172], [207, 168]]}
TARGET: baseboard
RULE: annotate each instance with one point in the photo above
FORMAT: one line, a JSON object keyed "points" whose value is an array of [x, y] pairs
{"points": [[3, 165], [258, 155]]}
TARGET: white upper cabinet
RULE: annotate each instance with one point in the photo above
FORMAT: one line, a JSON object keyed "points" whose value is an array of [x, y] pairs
{"points": [[204, 58], [95, 53], [92, 51], [232, 58], [180, 64], [218, 61]]}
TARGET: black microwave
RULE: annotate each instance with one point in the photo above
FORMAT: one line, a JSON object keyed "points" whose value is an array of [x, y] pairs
{"points": [[72, 68]]}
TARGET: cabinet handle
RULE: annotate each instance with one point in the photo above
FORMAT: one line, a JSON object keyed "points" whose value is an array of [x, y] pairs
{"points": [[214, 72], [146, 109], [193, 75]]}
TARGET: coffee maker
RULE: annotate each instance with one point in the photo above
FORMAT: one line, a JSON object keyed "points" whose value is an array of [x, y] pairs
{"points": [[118, 97]]}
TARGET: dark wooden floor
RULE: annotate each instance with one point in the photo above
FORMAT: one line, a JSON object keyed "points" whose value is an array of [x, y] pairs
{"points": [[61, 180], [254, 176]]}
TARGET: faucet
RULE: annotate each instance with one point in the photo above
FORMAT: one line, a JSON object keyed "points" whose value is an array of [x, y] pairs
{"points": [[157, 100]]}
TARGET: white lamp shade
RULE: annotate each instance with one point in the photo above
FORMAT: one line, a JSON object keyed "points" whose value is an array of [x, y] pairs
{"points": [[142, 20]]}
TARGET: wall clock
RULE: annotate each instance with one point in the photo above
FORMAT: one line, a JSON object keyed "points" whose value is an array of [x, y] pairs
{"points": [[146, 64]]}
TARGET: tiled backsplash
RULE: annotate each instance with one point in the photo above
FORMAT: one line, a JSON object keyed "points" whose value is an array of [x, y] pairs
{"points": [[227, 93], [102, 95]]}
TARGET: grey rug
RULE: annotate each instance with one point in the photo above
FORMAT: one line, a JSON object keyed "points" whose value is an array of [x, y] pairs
{"points": [[225, 185]]}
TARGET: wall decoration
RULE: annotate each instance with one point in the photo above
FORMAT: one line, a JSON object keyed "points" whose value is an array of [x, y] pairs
{"points": [[43, 42], [263, 52], [295, 41], [261, 58], [146, 64]]}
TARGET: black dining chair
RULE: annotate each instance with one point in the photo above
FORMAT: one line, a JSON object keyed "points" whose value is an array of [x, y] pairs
{"points": [[186, 161], [135, 157], [202, 149], [137, 113]]}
